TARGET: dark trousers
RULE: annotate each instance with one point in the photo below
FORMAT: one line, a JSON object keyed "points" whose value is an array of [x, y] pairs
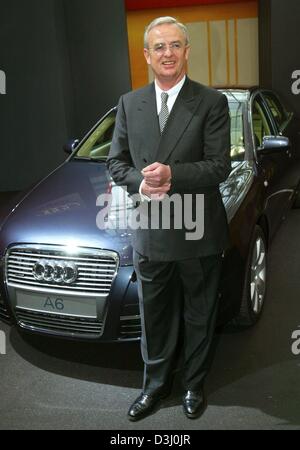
{"points": [[174, 296]]}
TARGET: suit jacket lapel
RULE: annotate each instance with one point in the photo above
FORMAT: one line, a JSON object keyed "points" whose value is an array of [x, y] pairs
{"points": [[148, 123], [182, 113]]}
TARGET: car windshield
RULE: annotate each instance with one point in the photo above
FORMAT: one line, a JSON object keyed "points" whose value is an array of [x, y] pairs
{"points": [[97, 145]]}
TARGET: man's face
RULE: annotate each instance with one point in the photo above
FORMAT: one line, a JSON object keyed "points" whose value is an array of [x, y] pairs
{"points": [[167, 53]]}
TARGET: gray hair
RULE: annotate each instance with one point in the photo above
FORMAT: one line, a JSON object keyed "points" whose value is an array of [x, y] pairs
{"points": [[162, 21]]}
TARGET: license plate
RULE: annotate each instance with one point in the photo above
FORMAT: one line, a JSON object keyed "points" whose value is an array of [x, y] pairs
{"points": [[58, 304]]}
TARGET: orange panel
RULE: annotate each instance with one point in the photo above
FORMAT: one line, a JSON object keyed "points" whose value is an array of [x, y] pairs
{"points": [[138, 20]]}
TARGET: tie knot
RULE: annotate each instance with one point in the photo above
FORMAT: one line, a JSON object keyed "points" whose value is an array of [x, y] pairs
{"points": [[164, 97]]}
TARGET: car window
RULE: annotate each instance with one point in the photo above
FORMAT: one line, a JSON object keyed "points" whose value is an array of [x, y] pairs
{"points": [[97, 145], [237, 152], [260, 122], [279, 113], [236, 102]]}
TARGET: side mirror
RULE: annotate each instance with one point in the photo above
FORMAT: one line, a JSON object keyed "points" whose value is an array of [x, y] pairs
{"points": [[70, 146], [273, 144]]}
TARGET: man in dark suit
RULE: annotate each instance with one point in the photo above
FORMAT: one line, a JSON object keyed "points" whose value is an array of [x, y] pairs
{"points": [[173, 137]]}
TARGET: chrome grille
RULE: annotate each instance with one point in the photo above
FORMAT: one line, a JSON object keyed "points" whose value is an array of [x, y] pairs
{"points": [[62, 325], [96, 269]]}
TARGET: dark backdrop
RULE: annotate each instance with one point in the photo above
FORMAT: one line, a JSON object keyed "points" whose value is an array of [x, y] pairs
{"points": [[280, 48], [66, 63]]}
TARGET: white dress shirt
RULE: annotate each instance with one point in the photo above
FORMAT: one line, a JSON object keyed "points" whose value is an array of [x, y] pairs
{"points": [[172, 93], [172, 96]]}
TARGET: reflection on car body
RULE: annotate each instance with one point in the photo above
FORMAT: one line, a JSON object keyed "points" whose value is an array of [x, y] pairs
{"points": [[52, 233]]}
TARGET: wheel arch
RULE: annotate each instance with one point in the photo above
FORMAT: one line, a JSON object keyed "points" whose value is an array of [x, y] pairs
{"points": [[264, 225]]}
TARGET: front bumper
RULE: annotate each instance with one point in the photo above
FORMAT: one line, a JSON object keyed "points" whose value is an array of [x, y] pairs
{"points": [[33, 308]]}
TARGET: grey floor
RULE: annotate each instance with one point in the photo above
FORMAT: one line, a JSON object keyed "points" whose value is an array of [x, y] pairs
{"points": [[254, 382]]}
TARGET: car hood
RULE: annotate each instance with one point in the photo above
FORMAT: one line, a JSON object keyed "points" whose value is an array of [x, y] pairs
{"points": [[62, 210]]}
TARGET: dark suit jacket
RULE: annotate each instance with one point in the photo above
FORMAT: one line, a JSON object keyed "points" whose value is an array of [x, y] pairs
{"points": [[196, 145]]}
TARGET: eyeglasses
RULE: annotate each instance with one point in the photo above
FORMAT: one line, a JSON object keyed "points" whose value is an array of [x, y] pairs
{"points": [[159, 49]]}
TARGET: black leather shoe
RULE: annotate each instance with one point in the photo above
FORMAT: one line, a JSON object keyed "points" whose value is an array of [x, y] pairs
{"points": [[194, 404], [144, 405]]}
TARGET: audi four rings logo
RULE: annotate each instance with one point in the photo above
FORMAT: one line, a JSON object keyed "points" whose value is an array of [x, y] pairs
{"points": [[55, 272]]}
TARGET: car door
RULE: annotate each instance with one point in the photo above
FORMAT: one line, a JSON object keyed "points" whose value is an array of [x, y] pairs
{"points": [[272, 166]]}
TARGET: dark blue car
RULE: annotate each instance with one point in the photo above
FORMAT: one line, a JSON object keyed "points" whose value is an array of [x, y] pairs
{"points": [[62, 275]]}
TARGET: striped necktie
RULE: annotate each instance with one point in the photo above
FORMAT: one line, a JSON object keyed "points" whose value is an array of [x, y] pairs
{"points": [[164, 112]]}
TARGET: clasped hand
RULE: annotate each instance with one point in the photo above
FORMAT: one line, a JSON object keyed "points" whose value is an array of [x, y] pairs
{"points": [[157, 180]]}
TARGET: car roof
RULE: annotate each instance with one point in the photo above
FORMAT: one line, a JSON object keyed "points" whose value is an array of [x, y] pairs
{"points": [[241, 88], [239, 93]]}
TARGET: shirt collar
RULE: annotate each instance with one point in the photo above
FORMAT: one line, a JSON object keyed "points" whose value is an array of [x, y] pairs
{"points": [[173, 91]]}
